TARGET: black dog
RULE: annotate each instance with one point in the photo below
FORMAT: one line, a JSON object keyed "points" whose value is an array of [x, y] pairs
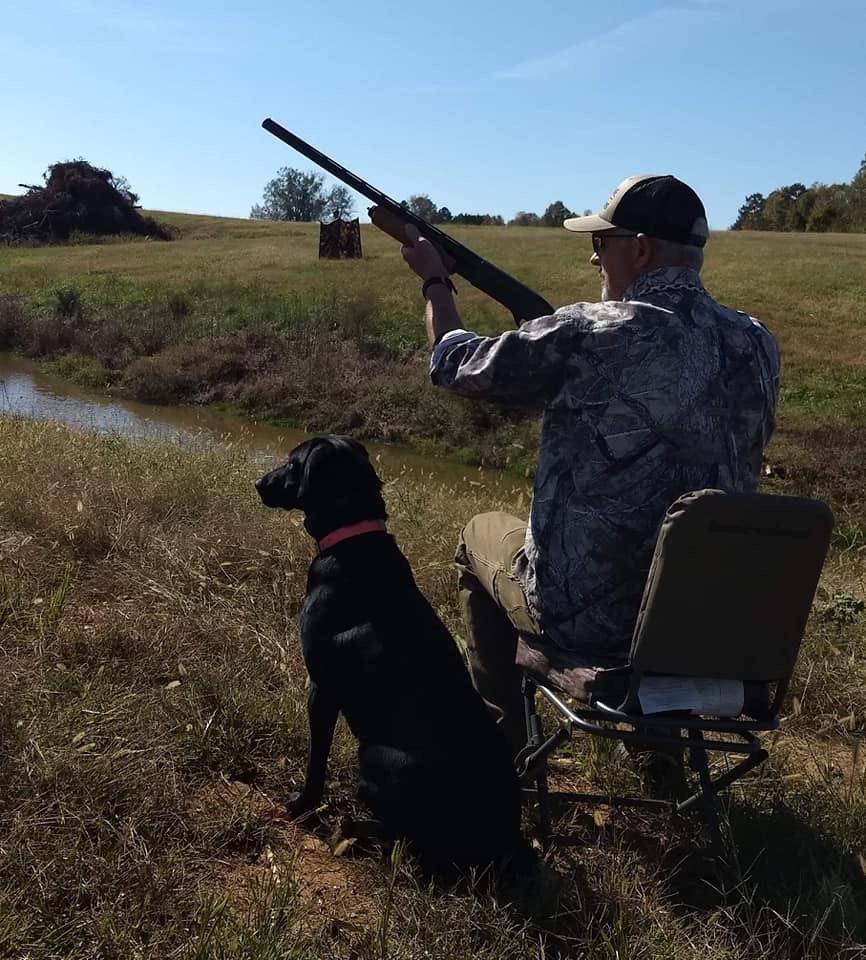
{"points": [[434, 768]]}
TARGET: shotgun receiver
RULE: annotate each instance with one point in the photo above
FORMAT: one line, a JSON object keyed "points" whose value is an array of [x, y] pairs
{"points": [[392, 217]]}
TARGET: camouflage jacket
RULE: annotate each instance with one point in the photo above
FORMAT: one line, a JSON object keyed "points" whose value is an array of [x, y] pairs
{"points": [[644, 399]]}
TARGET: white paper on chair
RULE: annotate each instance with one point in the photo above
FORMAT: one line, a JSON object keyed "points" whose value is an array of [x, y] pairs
{"points": [[718, 698]]}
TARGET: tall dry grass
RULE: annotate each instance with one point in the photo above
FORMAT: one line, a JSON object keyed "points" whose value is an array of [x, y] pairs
{"points": [[151, 709], [152, 716]]}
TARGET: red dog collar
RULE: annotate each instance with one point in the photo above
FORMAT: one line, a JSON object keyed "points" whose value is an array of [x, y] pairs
{"points": [[354, 530]]}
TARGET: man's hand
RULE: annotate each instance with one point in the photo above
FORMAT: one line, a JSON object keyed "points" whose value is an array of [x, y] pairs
{"points": [[441, 314], [421, 255]]}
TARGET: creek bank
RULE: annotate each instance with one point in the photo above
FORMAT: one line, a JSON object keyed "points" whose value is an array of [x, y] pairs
{"points": [[29, 390], [313, 376]]}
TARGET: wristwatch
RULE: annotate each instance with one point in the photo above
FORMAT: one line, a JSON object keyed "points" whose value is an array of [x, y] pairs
{"points": [[430, 281]]}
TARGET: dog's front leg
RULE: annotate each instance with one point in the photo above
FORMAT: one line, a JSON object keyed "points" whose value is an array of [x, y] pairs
{"points": [[322, 711]]}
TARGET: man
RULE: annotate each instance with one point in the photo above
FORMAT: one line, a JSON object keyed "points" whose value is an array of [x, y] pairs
{"points": [[652, 392]]}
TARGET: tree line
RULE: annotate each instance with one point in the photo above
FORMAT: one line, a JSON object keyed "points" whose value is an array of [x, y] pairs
{"points": [[821, 208], [301, 196], [422, 206]]}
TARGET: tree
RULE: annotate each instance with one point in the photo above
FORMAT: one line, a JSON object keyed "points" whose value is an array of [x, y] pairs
{"points": [[822, 207], [555, 214], [858, 198], [296, 195], [524, 219], [829, 208], [784, 209], [805, 206], [478, 219], [777, 210], [422, 206], [749, 214], [340, 205], [794, 191]]}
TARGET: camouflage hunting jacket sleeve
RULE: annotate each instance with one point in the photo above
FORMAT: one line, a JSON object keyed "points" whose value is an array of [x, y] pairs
{"points": [[643, 400]]}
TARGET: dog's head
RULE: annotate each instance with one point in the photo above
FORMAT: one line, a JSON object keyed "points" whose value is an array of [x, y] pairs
{"points": [[330, 479]]}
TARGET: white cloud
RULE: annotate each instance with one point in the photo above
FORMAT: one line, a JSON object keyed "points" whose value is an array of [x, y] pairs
{"points": [[162, 28], [623, 43], [115, 16]]}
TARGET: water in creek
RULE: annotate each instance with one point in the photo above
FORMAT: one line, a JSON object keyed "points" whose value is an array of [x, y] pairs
{"points": [[27, 391]]}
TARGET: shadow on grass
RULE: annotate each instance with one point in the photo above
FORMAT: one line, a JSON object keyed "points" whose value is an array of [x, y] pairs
{"points": [[800, 861], [792, 880]]}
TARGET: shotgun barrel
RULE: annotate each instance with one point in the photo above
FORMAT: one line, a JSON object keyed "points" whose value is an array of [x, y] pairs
{"points": [[391, 216]]}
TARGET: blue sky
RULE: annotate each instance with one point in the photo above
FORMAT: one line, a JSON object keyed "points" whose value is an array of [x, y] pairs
{"points": [[485, 106]]}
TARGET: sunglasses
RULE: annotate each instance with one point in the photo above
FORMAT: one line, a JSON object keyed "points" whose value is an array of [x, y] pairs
{"points": [[600, 239]]}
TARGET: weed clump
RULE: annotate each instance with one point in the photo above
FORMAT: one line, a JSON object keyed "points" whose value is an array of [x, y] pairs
{"points": [[77, 201]]}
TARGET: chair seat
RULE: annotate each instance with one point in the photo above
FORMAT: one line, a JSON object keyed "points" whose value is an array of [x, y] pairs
{"points": [[589, 681]]}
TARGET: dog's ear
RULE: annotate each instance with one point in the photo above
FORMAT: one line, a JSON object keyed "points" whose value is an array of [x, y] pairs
{"points": [[306, 471], [334, 458], [337, 472], [292, 484]]}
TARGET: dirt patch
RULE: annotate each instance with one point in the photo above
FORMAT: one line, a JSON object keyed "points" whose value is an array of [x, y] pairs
{"points": [[332, 888]]}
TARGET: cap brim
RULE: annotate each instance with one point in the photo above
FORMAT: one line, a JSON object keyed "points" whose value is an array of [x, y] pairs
{"points": [[591, 224]]}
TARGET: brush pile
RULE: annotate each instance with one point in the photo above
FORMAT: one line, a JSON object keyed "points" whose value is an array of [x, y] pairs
{"points": [[77, 201]]}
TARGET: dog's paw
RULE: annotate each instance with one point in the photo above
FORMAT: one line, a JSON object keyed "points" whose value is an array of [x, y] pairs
{"points": [[302, 805]]}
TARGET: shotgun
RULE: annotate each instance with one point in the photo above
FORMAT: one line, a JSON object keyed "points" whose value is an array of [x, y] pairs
{"points": [[392, 217]]}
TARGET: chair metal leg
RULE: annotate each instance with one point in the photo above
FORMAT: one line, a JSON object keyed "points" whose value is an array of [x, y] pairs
{"points": [[707, 795], [726, 779], [533, 755], [542, 793], [531, 766]]}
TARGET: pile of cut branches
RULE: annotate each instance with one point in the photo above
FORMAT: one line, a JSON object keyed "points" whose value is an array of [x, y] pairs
{"points": [[77, 199]]}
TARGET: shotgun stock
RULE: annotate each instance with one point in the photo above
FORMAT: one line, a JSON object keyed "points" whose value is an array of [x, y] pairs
{"points": [[392, 217]]}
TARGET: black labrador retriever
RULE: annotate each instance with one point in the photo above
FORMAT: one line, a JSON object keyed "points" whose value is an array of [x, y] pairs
{"points": [[434, 768]]}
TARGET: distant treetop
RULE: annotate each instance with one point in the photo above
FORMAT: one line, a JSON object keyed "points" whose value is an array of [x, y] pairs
{"points": [[553, 216], [422, 206], [821, 208], [301, 196]]}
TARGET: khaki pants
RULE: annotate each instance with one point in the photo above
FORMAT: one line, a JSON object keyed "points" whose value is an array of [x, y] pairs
{"points": [[494, 610]]}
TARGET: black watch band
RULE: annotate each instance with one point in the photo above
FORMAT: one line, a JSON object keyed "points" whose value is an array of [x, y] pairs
{"points": [[430, 281]]}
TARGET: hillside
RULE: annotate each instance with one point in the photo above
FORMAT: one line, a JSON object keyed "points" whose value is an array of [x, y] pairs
{"points": [[152, 702]]}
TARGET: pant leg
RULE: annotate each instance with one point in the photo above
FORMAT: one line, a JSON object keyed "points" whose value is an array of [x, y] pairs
{"points": [[494, 609]]}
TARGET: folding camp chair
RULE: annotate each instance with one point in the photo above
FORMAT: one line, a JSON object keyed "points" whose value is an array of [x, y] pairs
{"points": [[729, 590]]}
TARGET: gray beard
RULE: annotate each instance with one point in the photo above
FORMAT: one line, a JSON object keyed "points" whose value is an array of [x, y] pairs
{"points": [[605, 291]]}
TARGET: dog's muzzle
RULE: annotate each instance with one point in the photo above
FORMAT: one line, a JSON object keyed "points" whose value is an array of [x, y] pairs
{"points": [[273, 492]]}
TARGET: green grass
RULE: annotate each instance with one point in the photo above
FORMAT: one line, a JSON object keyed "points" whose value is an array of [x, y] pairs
{"points": [[152, 714], [151, 703], [242, 313], [823, 390], [793, 281]]}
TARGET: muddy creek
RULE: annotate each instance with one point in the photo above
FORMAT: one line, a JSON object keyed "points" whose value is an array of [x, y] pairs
{"points": [[26, 391]]}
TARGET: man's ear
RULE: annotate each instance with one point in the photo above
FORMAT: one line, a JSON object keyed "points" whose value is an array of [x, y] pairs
{"points": [[645, 252]]}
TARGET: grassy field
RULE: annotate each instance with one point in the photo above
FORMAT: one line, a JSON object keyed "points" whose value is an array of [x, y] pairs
{"points": [[243, 313], [152, 717], [151, 706]]}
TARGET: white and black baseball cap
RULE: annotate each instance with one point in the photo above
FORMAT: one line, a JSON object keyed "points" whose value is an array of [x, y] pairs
{"points": [[658, 205]]}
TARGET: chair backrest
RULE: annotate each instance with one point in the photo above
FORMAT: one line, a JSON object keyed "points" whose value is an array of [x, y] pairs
{"points": [[730, 587]]}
